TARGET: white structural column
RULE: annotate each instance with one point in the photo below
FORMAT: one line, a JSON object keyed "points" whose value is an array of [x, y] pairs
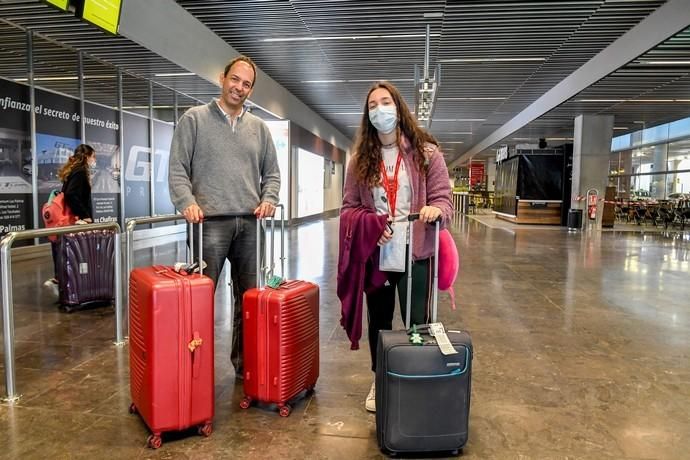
{"points": [[658, 189], [168, 30], [665, 22], [591, 155]]}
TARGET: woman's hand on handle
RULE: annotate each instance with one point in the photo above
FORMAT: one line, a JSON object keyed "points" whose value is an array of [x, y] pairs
{"points": [[429, 214]]}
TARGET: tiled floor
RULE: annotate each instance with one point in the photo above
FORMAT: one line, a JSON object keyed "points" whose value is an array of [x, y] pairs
{"points": [[582, 350]]}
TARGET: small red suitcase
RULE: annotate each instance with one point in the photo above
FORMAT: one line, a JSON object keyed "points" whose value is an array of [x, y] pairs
{"points": [[171, 350], [281, 343]]}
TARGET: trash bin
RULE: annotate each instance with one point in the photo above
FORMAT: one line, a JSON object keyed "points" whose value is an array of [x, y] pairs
{"points": [[575, 219]]}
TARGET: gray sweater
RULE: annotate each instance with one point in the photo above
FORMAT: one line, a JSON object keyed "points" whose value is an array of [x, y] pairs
{"points": [[225, 169]]}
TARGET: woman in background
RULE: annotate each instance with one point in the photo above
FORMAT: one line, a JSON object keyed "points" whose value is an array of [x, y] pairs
{"points": [[76, 186]]}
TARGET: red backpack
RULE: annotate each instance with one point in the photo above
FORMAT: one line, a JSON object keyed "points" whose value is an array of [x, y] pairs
{"points": [[56, 213]]}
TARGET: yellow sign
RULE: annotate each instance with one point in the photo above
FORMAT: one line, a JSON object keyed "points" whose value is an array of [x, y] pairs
{"points": [[103, 13], [62, 4]]}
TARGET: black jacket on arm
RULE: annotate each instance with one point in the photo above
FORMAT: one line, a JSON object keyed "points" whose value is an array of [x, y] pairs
{"points": [[77, 190]]}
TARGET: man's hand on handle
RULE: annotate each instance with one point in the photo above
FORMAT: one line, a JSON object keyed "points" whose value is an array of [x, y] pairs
{"points": [[193, 213], [265, 209]]}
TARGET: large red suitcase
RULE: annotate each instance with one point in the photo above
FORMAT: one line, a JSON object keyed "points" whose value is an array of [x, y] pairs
{"points": [[281, 343], [280, 337], [171, 350]]}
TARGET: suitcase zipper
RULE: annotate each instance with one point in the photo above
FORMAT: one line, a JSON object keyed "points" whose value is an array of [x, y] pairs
{"points": [[453, 373], [263, 345], [184, 405]]}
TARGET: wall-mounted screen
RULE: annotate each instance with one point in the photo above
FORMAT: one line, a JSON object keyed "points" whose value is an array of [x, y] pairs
{"points": [[61, 4], [102, 13]]}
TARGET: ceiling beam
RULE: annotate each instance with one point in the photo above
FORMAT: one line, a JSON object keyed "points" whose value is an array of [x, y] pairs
{"points": [[665, 22], [168, 30]]}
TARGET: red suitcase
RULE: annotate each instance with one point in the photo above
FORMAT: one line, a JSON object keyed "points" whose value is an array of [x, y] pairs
{"points": [[171, 350], [281, 343]]}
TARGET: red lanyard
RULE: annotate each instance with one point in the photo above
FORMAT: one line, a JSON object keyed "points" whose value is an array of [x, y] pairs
{"points": [[391, 188]]}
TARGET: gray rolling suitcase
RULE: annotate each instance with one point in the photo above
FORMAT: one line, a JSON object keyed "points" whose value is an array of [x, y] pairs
{"points": [[422, 395]]}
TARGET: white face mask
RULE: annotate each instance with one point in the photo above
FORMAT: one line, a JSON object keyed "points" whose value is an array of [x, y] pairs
{"points": [[384, 118]]}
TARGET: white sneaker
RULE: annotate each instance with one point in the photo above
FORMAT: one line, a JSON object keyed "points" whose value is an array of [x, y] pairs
{"points": [[370, 403]]}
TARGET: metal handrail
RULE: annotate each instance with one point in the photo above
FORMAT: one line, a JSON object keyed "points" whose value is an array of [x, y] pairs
{"points": [[130, 224], [6, 282]]}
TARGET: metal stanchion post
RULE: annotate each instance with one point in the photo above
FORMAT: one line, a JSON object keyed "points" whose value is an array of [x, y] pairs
{"points": [[8, 303]]}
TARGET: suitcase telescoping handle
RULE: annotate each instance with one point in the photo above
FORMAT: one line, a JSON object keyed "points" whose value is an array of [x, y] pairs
{"points": [[263, 272], [408, 300], [134, 221]]}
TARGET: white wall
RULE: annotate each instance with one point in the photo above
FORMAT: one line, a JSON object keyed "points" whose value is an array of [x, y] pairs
{"points": [[333, 195]]}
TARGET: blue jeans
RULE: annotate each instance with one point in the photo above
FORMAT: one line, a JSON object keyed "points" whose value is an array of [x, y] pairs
{"points": [[232, 238]]}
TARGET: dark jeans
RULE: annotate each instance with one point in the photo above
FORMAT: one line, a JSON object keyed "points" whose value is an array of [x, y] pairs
{"points": [[234, 239], [381, 303], [55, 248]]}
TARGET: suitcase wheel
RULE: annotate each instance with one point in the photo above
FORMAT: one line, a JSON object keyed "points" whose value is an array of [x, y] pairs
{"points": [[285, 410], [133, 409], [246, 402], [154, 441], [205, 430], [310, 391]]}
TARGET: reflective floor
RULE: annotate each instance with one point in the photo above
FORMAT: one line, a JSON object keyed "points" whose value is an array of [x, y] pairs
{"points": [[582, 350]]}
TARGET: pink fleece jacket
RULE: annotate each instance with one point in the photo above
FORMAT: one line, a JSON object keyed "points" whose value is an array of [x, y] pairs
{"points": [[432, 189]]}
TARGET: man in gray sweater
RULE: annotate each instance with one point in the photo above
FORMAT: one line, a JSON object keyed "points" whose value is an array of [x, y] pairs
{"points": [[224, 171]]}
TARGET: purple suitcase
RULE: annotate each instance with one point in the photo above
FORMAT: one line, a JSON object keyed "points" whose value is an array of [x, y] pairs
{"points": [[86, 268]]}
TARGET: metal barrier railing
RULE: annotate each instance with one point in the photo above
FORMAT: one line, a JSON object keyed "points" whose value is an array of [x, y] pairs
{"points": [[7, 301], [130, 224]]}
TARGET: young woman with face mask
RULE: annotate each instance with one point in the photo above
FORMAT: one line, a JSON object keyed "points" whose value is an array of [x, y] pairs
{"points": [[75, 176], [397, 169]]}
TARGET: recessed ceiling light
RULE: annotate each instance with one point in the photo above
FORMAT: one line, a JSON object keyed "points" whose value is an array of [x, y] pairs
{"points": [[510, 59], [599, 100], [70, 78], [357, 81], [458, 119], [346, 37], [643, 101], [471, 98], [666, 62], [178, 74]]}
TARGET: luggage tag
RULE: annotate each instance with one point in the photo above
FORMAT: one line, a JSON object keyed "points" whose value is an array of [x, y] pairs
{"points": [[416, 338], [187, 269], [437, 331], [274, 282]]}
